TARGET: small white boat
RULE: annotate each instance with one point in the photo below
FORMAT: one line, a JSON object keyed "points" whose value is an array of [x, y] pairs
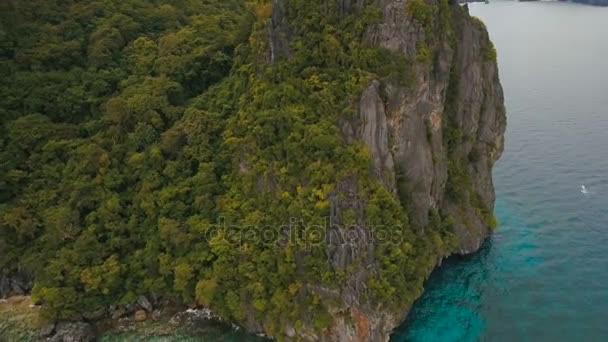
{"points": [[584, 190]]}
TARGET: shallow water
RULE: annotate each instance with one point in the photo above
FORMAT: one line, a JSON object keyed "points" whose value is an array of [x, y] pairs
{"points": [[544, 275]]}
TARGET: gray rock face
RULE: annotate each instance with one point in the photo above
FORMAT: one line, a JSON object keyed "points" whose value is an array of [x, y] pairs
{"points": [[374, 131], [279, 32], [47, 330], [18, 283], [73, 332], [460, 89], [145, 303], [420, 166], [479, 114], [95, 315], [117, 312]]}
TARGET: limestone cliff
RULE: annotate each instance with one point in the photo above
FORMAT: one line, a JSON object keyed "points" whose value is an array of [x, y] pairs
{"points": [[432, 144], [378, 121], [450, 124]]}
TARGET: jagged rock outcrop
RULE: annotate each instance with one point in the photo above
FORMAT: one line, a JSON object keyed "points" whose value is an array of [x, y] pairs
{"points": [[17, 283], [279, 32], [458, 93], [374, 131], [73, 332], [433, 144]]}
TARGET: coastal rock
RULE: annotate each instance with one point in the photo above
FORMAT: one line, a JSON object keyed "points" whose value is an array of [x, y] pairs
{"points": [[130, 308], [47, 330], [145, 303], [94, 315], [16, 283], [117, 312], [156, 315], [73, 332]]}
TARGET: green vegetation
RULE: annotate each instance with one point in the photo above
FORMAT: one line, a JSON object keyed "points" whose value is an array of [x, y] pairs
{"points": [[423, 53], [19, 321], [490, 52], [422, 12], [478, 22], [130, 128], [112, 115], [484, 212]]}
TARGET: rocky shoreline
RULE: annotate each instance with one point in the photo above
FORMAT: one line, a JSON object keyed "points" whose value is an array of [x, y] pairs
{"points": [[20, 321]]}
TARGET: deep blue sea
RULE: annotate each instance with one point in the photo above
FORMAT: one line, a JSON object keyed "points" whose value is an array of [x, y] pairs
{"points": [[544, 275]]}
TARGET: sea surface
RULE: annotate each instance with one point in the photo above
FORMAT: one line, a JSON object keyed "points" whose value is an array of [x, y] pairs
{"points": [[544, 275]]}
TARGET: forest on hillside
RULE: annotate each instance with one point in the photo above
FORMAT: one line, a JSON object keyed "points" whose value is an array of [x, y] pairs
{"points": [[131, 130]]}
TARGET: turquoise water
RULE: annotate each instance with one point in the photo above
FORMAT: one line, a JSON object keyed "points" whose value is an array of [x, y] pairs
{"points": [[544, 275]]}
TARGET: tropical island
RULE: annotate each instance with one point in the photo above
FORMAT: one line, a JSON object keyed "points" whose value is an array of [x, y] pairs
{"points": [[296, 167]]}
